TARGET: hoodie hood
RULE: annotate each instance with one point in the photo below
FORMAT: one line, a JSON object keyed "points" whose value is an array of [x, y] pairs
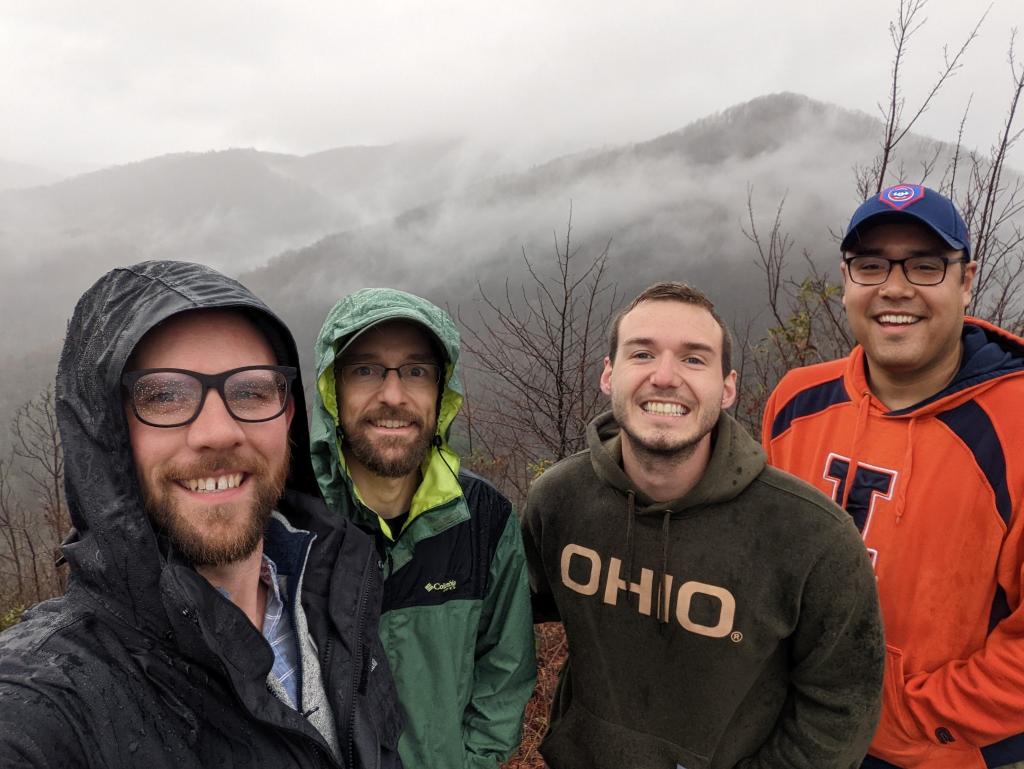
{"points": [[348, 318], [736, 460], [989, 354], [116, 555]]}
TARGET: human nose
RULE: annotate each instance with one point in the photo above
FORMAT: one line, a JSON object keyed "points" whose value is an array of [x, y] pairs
{"points": [[897, 284], [665, 373], [214, 427], [392, 390]]}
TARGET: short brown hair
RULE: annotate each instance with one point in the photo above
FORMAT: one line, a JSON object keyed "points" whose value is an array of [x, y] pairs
{"points": [[676, 292]]}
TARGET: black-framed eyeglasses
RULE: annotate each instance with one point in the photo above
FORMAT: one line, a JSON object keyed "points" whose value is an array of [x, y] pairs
{"points": [[372, 375], [919, 270], [173, 397]]}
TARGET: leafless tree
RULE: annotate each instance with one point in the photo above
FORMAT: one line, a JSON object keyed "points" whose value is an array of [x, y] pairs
{"points": [[37, 444], [807, 322], [537, 353]]}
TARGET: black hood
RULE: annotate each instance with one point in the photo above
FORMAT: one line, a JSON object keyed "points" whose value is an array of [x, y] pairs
{"points": [[116, 556]]}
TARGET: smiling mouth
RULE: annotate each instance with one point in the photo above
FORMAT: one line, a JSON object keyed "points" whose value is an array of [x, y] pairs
{"points": [[213, 483], [897, 319], [390, 424], [661, 408]]}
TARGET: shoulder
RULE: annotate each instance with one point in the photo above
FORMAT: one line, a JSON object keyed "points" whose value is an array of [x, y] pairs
{"points": [[50, 662], [487, 506], [308, 512], [804, 378], [806, 391], [566, 476], [786, 495]]}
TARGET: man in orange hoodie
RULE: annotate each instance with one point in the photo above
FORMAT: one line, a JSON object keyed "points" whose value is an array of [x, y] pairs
{"points": [[919, 434]]}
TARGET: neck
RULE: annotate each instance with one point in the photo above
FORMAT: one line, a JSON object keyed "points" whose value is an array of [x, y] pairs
{"points": [[899, 391], [387, 497], [241, 580], [664, 477]]}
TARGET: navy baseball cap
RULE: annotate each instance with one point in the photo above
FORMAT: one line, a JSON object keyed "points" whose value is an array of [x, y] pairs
{"points": [[924, 204]]}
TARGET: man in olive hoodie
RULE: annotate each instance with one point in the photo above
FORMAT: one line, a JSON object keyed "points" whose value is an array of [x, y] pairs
{"points": [[719, 612], [456, 614]]}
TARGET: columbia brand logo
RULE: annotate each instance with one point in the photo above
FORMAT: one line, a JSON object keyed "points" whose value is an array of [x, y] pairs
{"points": [[444, 587]]}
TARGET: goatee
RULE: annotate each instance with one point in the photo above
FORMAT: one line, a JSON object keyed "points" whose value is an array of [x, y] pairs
{"points": [[394, 457]]}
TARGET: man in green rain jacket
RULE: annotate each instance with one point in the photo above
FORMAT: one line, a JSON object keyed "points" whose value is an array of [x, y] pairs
{"points": [[456, 620]]}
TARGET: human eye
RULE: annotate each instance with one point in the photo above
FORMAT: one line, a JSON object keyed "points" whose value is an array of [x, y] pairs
{"points": [[693, 360], [362, 371], [641, 355], [869, 265], [164, 393], [256, 388], [416, 371], [926, 266]]}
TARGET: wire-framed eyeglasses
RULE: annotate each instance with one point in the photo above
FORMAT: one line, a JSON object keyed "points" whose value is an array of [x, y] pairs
{"points": [[919, 270], [372, 375], [173, 397]]}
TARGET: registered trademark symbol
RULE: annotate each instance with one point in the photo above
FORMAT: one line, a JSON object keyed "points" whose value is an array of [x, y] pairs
{"points": [[736, 636]]}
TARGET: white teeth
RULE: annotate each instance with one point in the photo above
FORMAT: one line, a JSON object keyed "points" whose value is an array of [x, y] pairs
{"points": [[220, 483], [902, 320], [671, 409], [391, 423]]}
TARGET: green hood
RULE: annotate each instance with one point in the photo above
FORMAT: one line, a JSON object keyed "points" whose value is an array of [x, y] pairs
{"points": [[352, 314]]}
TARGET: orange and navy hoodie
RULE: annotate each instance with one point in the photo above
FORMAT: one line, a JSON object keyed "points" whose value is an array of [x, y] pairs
{"points": [[936, 490]]}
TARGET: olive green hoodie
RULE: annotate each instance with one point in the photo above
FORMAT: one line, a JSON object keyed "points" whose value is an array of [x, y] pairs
{"points": [[456, 620], [761, 647]]}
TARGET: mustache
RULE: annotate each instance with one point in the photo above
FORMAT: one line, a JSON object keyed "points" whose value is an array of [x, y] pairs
{"points": [[393, 412], [216, 464]]}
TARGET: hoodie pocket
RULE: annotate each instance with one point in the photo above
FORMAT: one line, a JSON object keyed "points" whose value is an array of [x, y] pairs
{"points": [[895, 708], [581, 740]]}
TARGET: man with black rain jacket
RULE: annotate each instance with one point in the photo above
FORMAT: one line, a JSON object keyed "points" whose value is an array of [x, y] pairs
{"points": [[154, 657]]}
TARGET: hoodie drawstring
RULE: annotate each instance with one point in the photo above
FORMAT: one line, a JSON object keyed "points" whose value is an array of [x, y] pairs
{"points": [[908, 471], [863, 411], [662, 616], [630, 512]]}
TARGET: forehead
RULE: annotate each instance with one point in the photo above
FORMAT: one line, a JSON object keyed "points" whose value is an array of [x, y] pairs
{"points": [[670, 324], [396, 336], [899, 234], [207, 341]]}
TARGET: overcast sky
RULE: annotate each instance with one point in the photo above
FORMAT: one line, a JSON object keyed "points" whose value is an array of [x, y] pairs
{"points": [[112, 81]]}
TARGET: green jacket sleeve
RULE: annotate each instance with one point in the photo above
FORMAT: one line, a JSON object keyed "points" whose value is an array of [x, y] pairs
{"points": [[838, 655], [505, 660]]}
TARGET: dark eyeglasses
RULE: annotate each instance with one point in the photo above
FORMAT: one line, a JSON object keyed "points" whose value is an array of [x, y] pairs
{"points": [[372, 375], [172, 397], [919, 270]]}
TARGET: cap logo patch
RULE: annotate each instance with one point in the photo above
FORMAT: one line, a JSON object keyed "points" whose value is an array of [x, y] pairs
{"points": [[901, 196]]}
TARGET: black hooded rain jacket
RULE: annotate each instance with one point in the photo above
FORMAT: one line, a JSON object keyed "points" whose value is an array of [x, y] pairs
{"points": [[142, 663]]}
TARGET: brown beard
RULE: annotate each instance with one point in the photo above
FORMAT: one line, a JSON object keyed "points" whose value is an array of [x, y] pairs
{"points": [[372, 454], [196, 544]]}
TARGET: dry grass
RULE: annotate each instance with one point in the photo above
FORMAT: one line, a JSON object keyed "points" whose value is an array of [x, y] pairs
{"points": [[551, 653]]}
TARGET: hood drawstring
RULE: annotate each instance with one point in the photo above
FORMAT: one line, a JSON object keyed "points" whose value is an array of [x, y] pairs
{"points": [[436, 442], [630, 512], [662, 610], [908, 468], [863, 411]]}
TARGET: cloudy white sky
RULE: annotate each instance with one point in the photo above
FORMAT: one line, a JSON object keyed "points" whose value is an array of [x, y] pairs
{"points": [[112, 81]]}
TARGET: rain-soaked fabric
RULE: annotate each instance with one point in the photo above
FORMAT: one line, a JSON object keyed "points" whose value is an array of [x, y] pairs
{"points": [[142, 663], [456, 620]]}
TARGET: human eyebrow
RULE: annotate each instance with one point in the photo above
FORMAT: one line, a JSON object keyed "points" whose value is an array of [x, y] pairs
{"points": [[638, 341]]}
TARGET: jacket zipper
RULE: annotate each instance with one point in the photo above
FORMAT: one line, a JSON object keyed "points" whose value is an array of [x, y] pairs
{"points": [[357, 669]]}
